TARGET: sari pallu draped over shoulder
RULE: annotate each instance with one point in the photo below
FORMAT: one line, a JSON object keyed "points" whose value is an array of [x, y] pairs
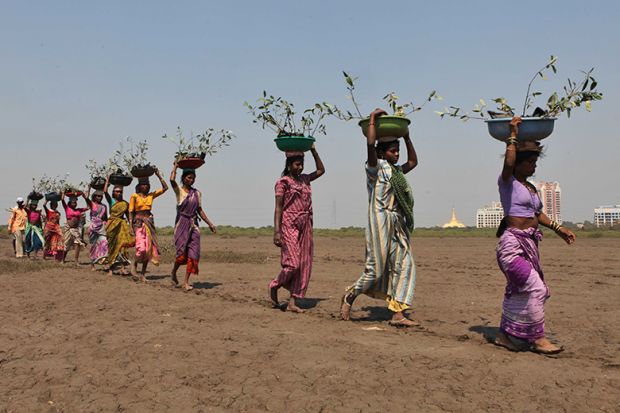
{"points": [[187, 232], [118, 233], [97, 235]]}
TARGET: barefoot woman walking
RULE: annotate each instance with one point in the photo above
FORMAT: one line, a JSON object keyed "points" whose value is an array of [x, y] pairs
{"points": [[293, 228], [186, 230], [389, 272], [523, 314]]}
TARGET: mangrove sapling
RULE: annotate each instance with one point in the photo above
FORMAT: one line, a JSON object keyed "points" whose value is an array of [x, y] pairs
{"points": [[574, 95], [200, 145], [280, 116]]}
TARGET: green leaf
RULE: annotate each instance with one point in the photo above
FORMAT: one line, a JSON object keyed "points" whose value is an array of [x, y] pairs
{"points": [[588, 105]]}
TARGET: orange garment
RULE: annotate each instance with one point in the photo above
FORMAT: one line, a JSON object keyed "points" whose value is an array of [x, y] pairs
{"points": [[139, 202], [17, 221], [192, 264]]}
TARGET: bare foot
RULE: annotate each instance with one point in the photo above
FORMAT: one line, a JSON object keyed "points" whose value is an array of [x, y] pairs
{"points": [[187, 287], [544, 346], [502, 340], [402, 321], [175, 280], [292, 306], [92, 268], [345, 308], [143, 279]]}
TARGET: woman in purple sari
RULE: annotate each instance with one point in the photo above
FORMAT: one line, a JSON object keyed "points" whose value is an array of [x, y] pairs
{"points": [[186, 230], [523, 315], [96, 230]]}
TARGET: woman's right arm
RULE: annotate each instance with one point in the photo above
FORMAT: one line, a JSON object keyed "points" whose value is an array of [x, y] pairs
{"points": [[105, 191], [277, 221], [510, 156], [372, 137]]}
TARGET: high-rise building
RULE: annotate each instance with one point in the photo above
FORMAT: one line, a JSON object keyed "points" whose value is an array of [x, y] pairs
{"points": [[490, 216], [607, 216], [551, 197]]}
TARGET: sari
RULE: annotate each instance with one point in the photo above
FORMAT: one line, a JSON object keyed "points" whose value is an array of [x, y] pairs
{"points": [[147, 248], [54, 245], [118, 234], [97, 235], [187, 232], [523, 312]]}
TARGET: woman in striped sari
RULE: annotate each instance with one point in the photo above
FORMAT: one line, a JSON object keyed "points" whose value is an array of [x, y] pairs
{"points": [[389, 272], [293, 228], [118, 231], [140, 207]]}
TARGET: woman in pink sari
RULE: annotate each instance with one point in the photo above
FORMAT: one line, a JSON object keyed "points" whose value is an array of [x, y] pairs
{"points": [[140, 207], [293, 229], [523, 315]]}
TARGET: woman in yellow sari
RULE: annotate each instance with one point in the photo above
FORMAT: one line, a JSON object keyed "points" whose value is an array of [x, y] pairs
{"points": [[119, 233]]}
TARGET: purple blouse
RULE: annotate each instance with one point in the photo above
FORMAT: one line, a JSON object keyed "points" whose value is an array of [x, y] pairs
{"points": [[517, 199]]}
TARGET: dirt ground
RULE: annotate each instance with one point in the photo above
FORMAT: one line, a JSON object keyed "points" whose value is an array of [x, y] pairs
{"points": [[76, 341]]}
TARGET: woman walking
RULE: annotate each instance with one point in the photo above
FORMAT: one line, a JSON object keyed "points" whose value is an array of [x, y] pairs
{"points": [[186, 230], [54, 245], [523, 314], [96, 230], [140, 214], [118, 230], [72, 232], [293, 228], [389, 271], [33, 238]]}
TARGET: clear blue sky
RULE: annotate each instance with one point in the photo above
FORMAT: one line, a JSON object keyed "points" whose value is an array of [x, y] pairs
{"points": [[77, 77]]}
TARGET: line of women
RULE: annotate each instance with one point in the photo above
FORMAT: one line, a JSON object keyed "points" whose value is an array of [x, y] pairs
{"points": [[389, 271]]}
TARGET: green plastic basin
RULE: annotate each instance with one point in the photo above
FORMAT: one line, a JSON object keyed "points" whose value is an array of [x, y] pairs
{"points": [[387, 126], [294, 143]]}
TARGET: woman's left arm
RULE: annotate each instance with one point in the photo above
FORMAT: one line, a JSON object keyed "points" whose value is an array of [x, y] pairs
{"points": [[412, 156], [564, 233], [320, 168], [206, 219]]}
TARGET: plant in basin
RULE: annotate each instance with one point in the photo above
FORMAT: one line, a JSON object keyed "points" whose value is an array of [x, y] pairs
{"points": [[192, 151], [294, 130], [387, 125], [538, 124]]}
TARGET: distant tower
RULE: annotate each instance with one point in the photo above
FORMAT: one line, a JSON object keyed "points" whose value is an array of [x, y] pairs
{"points": [[454, 222], [551, 197]]}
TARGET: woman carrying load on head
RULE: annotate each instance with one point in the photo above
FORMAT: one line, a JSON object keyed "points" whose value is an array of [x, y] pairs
{"points": [[389, 271], [33, 236], [186, 229], [72, 235], [293, 228], [54, 244], [96, 230], [118, 230], [140, 207], [523, 314]]}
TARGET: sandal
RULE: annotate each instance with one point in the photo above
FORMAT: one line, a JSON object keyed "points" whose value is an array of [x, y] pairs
{"points": [[345, 306]]}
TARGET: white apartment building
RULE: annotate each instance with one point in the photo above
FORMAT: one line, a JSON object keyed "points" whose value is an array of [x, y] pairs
{"points": [[490, 215], [607, 216], [551, 197]]}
